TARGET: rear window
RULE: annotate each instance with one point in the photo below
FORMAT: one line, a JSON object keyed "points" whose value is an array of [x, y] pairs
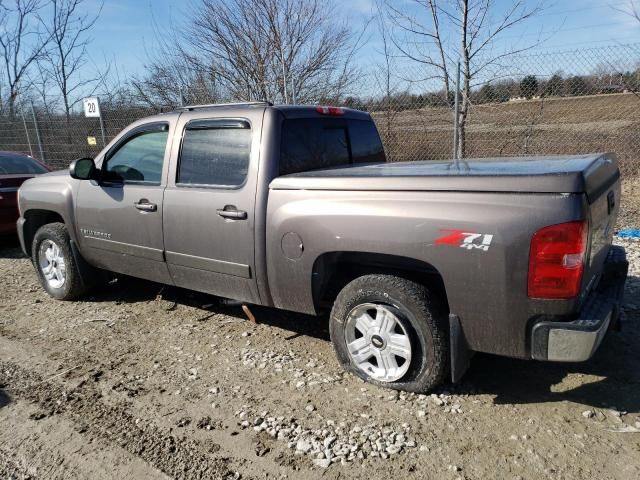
{"points": [[316, 143], [18, 164]]}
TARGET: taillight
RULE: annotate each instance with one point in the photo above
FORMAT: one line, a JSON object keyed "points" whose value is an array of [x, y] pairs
{"points": [[336, 111], [556, 260]]}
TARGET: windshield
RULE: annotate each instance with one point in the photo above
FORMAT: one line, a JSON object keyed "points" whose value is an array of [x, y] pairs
{"points": [[11, 164]]}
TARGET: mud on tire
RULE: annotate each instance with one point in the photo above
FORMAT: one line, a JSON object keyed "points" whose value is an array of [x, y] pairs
{"points": [[418, 317], [56, 234]]}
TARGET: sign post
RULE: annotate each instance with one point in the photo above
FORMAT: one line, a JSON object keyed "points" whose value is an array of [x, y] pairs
{"points": [[92, 110]]}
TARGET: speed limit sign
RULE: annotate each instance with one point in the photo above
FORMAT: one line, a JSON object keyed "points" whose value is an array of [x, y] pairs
{"points": [[91, 107]]}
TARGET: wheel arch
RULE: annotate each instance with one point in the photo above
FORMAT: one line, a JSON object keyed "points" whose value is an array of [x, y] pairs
{"points": [[36, 218], [332, 271]]}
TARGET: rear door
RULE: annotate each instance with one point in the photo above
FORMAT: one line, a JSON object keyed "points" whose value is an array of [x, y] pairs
{"points": [[209, 204], [119, 218]]}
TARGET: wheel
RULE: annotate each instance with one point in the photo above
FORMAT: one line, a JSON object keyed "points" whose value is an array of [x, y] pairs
{"points": [[55, 264], [390, 332]]}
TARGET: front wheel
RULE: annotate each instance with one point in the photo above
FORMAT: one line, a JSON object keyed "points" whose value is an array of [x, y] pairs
{"points": [[389, 331], [55, 263]]}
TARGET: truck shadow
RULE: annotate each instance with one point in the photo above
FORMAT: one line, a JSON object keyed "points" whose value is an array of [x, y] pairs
{"points": [[611, 378], [5, 399], [10, 247], [132, 290]]}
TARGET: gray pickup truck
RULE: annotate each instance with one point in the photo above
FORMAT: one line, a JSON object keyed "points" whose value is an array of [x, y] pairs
{"points": [[421, 264]]}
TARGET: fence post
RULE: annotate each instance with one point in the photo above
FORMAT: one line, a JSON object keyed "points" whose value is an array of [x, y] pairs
{"points": [[455, 117], [26, 131], [35, 124], [104, 139]]}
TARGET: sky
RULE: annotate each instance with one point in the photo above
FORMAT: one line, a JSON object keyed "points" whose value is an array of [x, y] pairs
{"points": [[124, 34]]}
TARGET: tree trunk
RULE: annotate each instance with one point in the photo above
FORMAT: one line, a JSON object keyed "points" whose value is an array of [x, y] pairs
{"points": [[466, 87]]}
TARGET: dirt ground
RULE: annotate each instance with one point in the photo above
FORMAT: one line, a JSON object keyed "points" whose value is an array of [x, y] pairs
{"points": [[141, 381]]}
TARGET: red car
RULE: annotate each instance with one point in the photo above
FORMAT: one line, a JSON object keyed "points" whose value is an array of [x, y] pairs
{"points": [[15, 168]]}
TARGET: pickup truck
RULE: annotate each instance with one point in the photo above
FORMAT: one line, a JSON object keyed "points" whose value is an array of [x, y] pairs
{"points": [[420, 264]]}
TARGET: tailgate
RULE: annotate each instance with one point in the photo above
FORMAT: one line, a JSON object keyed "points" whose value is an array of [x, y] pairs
{"points": [[602, 189]]}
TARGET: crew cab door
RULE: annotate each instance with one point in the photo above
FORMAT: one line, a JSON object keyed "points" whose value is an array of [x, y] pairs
{"points": [[119, 216], [209, 204]]}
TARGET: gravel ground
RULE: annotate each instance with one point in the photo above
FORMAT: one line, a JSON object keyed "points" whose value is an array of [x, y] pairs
{"points": [[141, 381]]}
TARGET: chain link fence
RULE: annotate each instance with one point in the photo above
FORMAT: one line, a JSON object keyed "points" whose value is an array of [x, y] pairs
{"points": [[571, 102]]}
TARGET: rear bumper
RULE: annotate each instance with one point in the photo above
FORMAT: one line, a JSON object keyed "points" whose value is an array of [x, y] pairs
{"points": [[578, 340]]}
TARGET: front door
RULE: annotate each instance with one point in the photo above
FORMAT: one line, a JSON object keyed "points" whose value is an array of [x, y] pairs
{"points": [[119, 217], [209, 207]]}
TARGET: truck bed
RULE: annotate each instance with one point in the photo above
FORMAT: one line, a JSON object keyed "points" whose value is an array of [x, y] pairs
{"points": [[588, 174]]}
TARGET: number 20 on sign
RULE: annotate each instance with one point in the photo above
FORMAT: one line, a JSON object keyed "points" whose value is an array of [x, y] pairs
{"points": [[91, 107]]}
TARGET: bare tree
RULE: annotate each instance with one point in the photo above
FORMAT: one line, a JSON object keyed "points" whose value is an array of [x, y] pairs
{"points": [[386, 82], [174, 77], [42, 88], [631, 8], [21, 43], [68, 28], [478, 24], [277, 50]]}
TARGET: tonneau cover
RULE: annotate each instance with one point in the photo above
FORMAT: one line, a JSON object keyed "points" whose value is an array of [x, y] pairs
{"points": [[590, 174]]}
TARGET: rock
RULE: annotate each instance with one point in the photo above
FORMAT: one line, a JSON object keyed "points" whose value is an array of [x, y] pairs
{"points": [[421, 413], [588, 414], [322, 462], [329, 441], [309, 408], [393, 449], [183, 422], [303, 445]]}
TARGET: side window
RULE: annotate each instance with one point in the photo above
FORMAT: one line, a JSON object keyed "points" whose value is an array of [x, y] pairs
{"points": [[140, 159], [215, 153]]}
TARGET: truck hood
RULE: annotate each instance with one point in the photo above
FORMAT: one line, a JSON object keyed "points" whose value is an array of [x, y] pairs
{"points": [[588, 174]]}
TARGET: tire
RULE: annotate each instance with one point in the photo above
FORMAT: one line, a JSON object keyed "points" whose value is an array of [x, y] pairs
{"points": [[364, 312], [63, 281]]}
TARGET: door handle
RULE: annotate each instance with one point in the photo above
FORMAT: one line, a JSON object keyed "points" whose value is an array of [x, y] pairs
{"points": [[145, 205], [231, 212]]}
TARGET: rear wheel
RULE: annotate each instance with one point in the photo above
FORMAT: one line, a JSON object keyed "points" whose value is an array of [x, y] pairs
{"points": [[389, 331], [55, 263]]}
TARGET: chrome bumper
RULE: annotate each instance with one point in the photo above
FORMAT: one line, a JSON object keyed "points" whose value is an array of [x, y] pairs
{"points": [[578, 340]]}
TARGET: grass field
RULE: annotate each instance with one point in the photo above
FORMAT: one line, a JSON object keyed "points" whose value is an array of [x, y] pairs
{"points": [[568, 125]]}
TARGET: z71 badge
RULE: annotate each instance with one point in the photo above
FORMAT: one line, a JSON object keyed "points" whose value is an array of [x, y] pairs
{"points": [[464, 239]]}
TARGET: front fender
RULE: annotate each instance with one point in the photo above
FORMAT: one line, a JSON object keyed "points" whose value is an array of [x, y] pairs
{"points": [[50, 193]]}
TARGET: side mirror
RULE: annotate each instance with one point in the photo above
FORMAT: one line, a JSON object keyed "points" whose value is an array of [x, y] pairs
{"points": [[83, 169]]}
